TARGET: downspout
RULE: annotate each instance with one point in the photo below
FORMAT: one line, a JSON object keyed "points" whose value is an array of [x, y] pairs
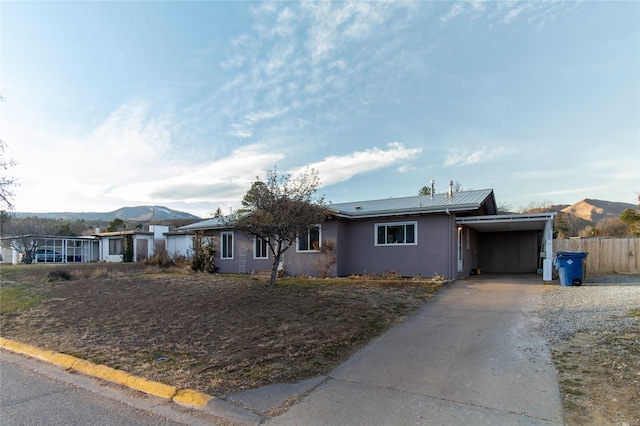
{"points": [[450, 255]]}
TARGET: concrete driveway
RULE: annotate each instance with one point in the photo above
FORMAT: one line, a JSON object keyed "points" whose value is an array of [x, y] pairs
{"points": [[472, 355]]}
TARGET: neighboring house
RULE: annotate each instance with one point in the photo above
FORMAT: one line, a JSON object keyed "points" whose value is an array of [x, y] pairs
{"points": [[104, 246], [144, 243], [54, 249], [448, 235]]}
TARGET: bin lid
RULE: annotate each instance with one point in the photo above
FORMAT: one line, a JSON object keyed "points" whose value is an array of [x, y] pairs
{"points": [[571, 254]]}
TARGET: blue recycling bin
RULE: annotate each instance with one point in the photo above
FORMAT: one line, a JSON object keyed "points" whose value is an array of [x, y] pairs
{"points": [[570, 267]]}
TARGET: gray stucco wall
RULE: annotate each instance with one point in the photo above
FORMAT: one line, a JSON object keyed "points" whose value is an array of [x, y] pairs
{"points": [[434, 253], [315, 263], [355, 251], [234, 265]]}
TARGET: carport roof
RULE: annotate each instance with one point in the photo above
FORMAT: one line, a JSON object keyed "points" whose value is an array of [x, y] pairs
{"points": [[508, 222]]}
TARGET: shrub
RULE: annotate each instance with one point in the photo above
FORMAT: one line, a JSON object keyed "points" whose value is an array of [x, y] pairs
{"points": [[59, 274], [163, 259], [203, 255]]}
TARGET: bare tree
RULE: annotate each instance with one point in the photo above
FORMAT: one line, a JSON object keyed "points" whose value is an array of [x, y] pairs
{"points": [[6, 182], [26, 235], [279, 210], [612, 227], [504, 207], [536, 207]]}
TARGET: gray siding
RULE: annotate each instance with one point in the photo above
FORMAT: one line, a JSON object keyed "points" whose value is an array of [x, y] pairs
{"points": [[356, 252], [431, 256], [236, 265]]}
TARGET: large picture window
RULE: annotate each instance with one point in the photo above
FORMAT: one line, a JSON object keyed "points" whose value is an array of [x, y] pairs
{"points": [[401, 233], [260, 249], [311, 240], [226, 245]]}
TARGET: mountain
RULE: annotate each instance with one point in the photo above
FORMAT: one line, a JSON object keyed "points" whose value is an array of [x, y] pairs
{"points": [[138, 213], [596, 210]]}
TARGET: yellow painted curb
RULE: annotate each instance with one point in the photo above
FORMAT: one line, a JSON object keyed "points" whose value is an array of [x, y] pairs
{"points": [[192, 398], [183, 396], [101, 371], [63, 360], [23, 348], [151, 387]]}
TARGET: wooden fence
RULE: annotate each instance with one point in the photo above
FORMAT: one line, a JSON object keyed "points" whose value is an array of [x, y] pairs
{"points": [[606, 255]]}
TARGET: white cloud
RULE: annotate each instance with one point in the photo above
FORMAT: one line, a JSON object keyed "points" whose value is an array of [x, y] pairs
{"points": [[456, 10], [258, 116], [467, 156], [334, 169], [239, 131], [225, 179], [537, 13]]}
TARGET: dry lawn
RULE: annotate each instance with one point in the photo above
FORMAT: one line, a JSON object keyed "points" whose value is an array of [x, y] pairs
{"points": [[214, 333], [221, 333], [599, 375]]}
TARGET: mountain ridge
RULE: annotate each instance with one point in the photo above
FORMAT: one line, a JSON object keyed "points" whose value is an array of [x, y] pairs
{"points": [[594, 211], [136, 213]]}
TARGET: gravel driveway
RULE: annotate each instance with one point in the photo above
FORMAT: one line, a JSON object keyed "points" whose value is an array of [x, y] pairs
{"points": [[601, 303]]}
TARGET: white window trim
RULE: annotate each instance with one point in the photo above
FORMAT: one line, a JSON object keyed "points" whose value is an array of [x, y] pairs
{"points": [[255, 246], [415, 234], [222, 241], [311, 250]]}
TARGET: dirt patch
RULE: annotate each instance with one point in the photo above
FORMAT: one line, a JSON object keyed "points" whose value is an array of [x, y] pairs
{"points": [[215, 333], [599, 375]]}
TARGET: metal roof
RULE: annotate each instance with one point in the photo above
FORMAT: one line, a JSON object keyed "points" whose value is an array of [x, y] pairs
{"points": [[420, 204], [213, 223], [459, 201]]}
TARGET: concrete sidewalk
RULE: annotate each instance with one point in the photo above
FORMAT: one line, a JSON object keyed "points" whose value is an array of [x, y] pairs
{"points": [[472, 355]]}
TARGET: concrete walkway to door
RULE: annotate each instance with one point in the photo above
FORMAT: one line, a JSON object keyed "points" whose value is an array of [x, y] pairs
{"points": [[472, 355]]}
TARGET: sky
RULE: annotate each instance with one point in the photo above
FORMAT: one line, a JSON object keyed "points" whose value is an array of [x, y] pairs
{"points": [[185, 104]]}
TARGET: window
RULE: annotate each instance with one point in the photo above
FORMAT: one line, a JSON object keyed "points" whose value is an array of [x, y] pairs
{"points": [[396, 234], [116, 247], [260, 248], [227, 245], [311, 240]]}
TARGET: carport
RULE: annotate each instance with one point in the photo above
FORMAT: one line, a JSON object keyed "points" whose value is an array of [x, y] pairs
{"points": [[513, 243]]}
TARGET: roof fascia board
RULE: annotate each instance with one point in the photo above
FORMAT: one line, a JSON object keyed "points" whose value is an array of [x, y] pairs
{"points": [[507, 218]]}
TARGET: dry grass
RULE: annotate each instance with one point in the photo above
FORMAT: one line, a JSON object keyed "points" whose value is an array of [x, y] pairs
{"points": [[599, 375], [214, 333]]}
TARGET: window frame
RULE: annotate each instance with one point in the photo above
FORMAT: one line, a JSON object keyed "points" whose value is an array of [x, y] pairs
{"points": [[309, 244], [224, 245], [376, 231], [118, 246], [264, 248]]}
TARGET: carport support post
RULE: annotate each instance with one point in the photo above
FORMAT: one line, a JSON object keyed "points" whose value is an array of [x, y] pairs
{"points": [[547, 266]]}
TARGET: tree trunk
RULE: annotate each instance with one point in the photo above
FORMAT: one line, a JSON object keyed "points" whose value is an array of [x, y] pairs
{"points": [[274, 270]]}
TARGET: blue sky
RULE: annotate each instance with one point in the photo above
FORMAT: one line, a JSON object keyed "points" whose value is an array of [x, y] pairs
{"points": [[183, 104]]}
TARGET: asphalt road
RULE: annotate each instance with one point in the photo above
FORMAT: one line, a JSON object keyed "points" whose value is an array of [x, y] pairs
{"points": [[34, 393]]}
